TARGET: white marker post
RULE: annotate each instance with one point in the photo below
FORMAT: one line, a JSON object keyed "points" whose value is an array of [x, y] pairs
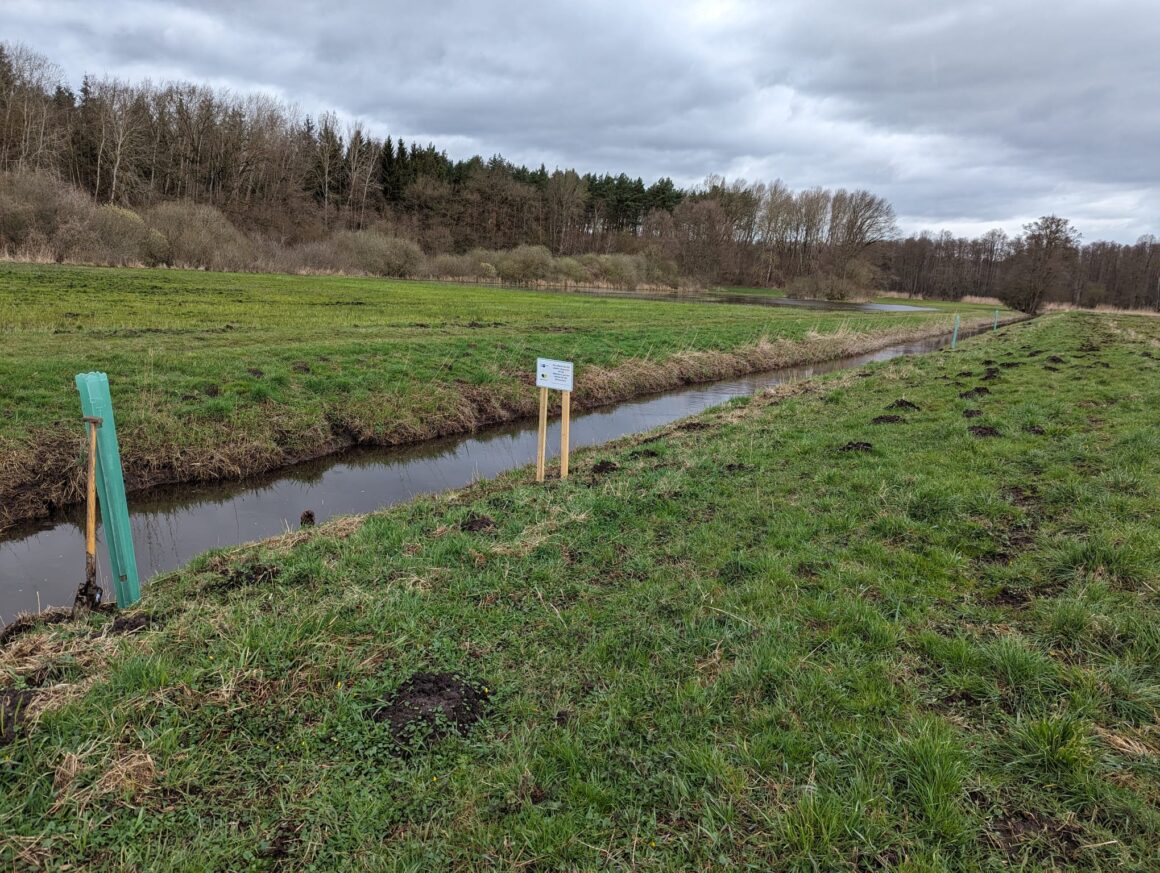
{"points": [[553, 376]]}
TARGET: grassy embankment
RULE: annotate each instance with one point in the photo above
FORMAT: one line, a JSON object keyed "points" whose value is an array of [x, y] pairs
{"points": [[217, 375], [738, 642]]}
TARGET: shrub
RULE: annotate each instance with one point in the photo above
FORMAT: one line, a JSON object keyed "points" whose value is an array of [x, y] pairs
{"points": [[380, 255], [33, 207], [197, 235], [524, 265]]}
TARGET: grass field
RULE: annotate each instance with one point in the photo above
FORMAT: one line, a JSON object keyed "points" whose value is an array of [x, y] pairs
{"points": [[217, 375], [777, 636]]}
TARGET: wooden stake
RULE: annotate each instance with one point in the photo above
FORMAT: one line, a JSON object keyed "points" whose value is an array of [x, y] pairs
{"points": [[565, 432], [542, 440], [91, 506]]}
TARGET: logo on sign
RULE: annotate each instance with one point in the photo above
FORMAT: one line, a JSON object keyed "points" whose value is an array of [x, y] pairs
{"points": [[556, 375]]}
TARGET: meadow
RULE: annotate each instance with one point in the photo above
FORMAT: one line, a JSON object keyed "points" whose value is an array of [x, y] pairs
{"points": [[216, 375], [901, 618]]}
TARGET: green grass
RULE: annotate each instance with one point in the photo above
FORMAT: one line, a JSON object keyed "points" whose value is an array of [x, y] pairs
{"points": [[741, 649], [217, 374]]}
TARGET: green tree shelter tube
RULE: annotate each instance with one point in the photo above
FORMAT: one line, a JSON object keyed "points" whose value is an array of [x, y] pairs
{"points": [[96, 402]]}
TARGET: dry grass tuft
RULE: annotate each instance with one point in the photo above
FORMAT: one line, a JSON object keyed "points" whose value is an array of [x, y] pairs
{"points": [[126, 776]]}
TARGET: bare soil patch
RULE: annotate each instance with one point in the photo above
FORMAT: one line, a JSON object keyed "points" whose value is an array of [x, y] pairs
{"points": [[25, 623], [972, 413], [855, 446], [978, 391], [429, 706], [982, 431], [889, 419], [477, 523], [13, 705], [903, 403]]}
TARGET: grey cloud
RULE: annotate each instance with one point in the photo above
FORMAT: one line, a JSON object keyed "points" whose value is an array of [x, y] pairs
{"points": [[964, 114]]}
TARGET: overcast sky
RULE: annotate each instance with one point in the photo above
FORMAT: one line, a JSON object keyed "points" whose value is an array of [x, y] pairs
{"points": [[966, 115]]}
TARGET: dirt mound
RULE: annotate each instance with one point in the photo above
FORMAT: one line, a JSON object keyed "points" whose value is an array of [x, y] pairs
{"points": [[694, 425], [1011, 597], [979, 391], [22, 624], [888, 419], [965, 373], [1040, 836], [429, 706], [984, 430], [1056, 359], [130, 624], [856, 447], [972, 413], [12, 706], [1035, 429], [645, 453], [902, 403], [477, 523], [991, 374], [250, 573], [602, 467]]}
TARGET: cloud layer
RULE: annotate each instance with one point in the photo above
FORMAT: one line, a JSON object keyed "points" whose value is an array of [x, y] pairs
{"points": [[966, 115]]}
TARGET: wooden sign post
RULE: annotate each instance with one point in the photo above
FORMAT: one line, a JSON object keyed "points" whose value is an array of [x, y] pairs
{"points": [[553, 376]]}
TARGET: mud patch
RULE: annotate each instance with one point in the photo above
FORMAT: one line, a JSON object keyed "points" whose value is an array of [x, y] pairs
{"points": [[737, 468], [131, 624], [902, 403], [430, 706], [694, 425], [477, 523], [856, 447], [22, 624], [255, 372], [1040, 837], [1010, 365], [251, 573], [300, 367], [888, 419], [1035, 429], [972, 413], [964, 374], [603, 467], [13, 704], [1015, 597], [645, 453], [991, 374], [982, 431], [1056, 359], [213, 391], [978, 391]]}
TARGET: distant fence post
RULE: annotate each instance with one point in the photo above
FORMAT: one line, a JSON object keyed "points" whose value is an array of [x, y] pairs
{"points": [[955, 335], [97, 403]]}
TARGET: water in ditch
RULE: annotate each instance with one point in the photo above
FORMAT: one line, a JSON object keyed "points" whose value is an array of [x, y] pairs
{"points": [[41, 566]]}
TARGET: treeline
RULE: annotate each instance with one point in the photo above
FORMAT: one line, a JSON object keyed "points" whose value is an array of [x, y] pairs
{"points": [[271, 187], [996, 265], [185, 175]]}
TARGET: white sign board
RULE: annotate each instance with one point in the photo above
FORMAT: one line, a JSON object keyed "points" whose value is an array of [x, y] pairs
{"points": [[556, 375]]}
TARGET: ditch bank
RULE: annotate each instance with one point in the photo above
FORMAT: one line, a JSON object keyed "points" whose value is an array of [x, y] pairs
{"points": [[45, 474]]}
